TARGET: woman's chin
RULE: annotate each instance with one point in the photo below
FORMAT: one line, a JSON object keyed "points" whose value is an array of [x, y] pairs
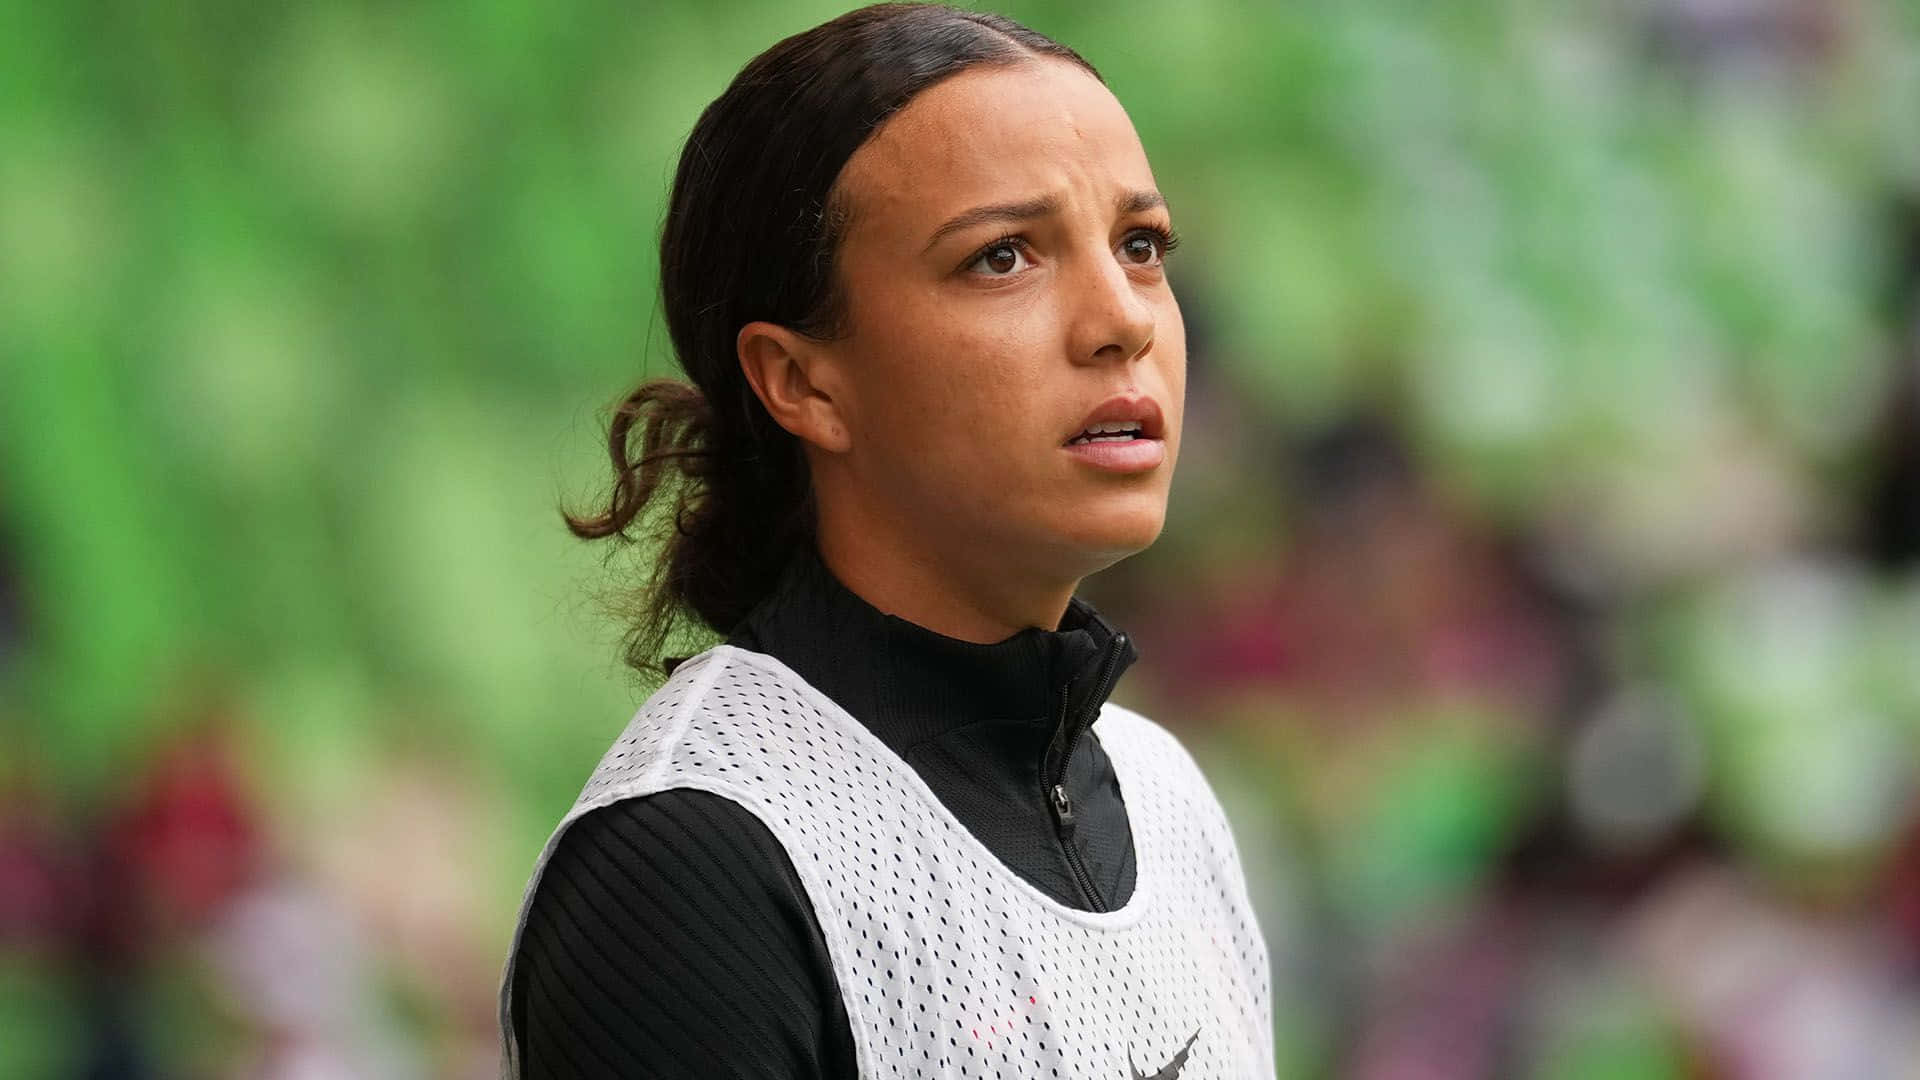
{"points": [[1113, 533]]}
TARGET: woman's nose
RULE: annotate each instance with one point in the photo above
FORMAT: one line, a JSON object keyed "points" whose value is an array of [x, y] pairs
{"points": [[1115, 322]]}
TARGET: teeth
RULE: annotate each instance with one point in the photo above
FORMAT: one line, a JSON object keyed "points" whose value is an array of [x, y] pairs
{"points": [[1109, 431]]}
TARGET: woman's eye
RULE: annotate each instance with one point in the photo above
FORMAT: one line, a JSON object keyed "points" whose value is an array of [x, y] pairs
{"points": [[999, 259], [1142, 249]]}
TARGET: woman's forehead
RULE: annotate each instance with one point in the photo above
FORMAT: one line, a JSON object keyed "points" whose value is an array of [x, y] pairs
{"points": [[993, 134]]}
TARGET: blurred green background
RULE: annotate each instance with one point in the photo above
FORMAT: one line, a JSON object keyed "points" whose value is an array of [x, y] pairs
{"points": [[1539, 589]]}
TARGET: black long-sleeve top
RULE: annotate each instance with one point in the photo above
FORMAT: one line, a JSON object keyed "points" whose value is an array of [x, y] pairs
{"points": [[669, 935]]}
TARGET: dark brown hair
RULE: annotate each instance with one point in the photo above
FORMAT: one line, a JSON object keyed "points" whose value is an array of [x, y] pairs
{"points": [[752, 227]]}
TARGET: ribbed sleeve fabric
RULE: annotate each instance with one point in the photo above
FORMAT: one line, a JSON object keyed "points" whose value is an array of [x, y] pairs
{"points": [[670, 937]]}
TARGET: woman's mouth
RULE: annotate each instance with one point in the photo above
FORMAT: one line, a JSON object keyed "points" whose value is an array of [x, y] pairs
{"points": [[1121, 451], [1121, 434]]}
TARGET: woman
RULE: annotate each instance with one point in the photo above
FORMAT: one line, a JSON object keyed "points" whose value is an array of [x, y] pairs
{"points": [[891, 825]]}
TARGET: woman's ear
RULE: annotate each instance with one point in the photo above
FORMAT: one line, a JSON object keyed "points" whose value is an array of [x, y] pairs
{"points": [[797, 380]]}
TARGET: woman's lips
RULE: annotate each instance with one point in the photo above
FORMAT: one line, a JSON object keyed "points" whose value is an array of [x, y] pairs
{"points": [[1120, 455]]}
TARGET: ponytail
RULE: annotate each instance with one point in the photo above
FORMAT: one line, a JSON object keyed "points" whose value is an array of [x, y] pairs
{"points": [[732, 504]]}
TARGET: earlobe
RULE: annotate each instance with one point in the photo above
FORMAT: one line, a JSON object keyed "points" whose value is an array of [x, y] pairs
{"points": [[787, 372]]}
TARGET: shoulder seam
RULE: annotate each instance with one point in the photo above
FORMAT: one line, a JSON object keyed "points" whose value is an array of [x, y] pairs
{"points": [[709, 674]]}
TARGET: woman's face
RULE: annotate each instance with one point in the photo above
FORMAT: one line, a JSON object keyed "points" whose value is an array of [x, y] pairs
{"points": [[1003, 274]]}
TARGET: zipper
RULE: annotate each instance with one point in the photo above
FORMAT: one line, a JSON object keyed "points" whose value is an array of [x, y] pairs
{"points": [[1070, 730], [1063, 814]]}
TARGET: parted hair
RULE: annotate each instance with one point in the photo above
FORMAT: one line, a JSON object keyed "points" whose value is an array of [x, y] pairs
{"points": [[752, 227]]}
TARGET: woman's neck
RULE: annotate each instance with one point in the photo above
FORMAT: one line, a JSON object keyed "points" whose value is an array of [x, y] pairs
{"points": [[978, 599]]}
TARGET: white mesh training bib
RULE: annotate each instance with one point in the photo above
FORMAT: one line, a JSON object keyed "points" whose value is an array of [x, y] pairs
{"points": [[949, 963]]}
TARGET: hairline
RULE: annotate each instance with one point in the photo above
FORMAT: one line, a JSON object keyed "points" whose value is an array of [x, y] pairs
{"points": [[837, 216]]}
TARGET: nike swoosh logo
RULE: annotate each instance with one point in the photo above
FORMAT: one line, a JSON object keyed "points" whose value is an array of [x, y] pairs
{"points": [[1169, 1071]]}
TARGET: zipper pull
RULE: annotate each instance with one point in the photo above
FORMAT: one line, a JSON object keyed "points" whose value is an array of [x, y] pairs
{"points": [[1062, 806]]}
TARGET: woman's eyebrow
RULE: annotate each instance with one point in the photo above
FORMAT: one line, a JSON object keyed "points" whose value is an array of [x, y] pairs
{"points": [[1025, 210], [1130, 202]]}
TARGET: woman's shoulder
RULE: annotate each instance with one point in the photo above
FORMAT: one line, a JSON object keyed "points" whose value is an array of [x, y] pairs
{"points": [[1121, 724], [671, 876], [677, 905], [706, 680], [1148, 744], [642, 835], [655, 728]]}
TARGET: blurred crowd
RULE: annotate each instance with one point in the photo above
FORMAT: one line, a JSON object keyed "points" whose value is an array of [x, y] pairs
{"points": [[1516, 812], [1541, 589], [173, 931]]}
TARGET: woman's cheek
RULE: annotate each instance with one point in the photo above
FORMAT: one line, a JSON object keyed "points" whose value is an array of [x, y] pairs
{"points": [[932, 428]]}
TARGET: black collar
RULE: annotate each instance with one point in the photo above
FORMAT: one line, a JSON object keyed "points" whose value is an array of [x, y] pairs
{"points": [[910, 684]]}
